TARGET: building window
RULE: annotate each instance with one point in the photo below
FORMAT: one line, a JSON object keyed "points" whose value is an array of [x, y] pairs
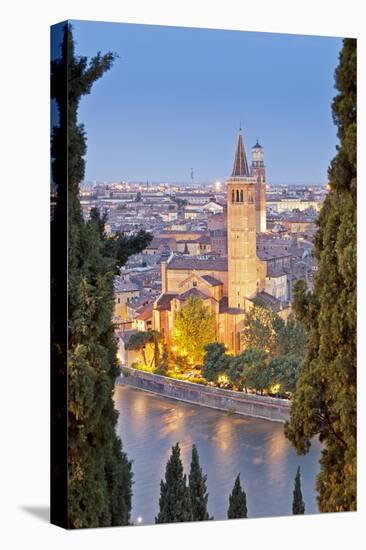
{"points": [[237, 195], [238, 340], [241, 196], [233, 196], [194, 283]]}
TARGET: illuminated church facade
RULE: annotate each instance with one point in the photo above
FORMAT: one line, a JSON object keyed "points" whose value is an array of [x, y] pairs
{"points": [[228, 285]]}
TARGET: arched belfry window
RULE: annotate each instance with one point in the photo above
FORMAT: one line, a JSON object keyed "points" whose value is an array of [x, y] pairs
{"points": [[237, 195], [241, 196], [233, 196]]}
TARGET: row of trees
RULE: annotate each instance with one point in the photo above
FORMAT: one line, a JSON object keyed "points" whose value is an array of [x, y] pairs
{"points": [[181, 501], [272, 355]]}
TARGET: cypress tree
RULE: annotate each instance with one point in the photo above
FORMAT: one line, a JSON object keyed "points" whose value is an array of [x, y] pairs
{"points": [[197, 489], [237, 502], [174, 502], [324, 403], [298, 505], [99, 474]]}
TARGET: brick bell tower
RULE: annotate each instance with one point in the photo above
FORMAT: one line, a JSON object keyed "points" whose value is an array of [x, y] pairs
{"points": [[258, 171], [241, 228]]}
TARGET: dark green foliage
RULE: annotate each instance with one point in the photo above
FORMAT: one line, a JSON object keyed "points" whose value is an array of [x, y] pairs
{"points": [[197, 489], [237, 502], [237, 371], [298, 505], [99, 473], [291, 338], [174, 502], [119, 483], [215, 361], [260, 330], [285, 371], [277, 362], [325, 399], [257, 369], [284, 343], [251, 368]]}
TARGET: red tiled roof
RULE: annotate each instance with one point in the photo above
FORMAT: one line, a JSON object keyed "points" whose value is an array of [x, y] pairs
{"points": [[212, 281], [163, 302], [145, 313], [192, 292], [197, 264]]}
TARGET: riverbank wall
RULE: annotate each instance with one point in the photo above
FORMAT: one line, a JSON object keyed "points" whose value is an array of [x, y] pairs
{"points": [[267, 408]]}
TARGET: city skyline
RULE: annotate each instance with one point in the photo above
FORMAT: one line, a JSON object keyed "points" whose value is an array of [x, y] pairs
{"points": [[160, 113]]}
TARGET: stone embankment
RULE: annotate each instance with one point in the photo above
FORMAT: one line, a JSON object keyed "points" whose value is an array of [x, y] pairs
{"points": [[268, 408]]}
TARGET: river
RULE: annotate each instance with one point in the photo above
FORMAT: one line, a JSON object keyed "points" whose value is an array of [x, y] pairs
{"points": [[150, 425]]}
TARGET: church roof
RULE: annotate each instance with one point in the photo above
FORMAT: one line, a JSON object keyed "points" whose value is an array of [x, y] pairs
{"points": [[192, 292], [270, 302], [163, 302], [240, 167], [212, 281], [197, 264]]}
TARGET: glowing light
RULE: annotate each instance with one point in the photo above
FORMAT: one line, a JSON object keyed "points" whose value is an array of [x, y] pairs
{"points": [[218, 185], [328, 186], [275, 388], [139, 519]]}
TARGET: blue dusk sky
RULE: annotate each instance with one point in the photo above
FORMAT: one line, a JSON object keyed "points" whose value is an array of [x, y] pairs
{"points": [[175, 98]]}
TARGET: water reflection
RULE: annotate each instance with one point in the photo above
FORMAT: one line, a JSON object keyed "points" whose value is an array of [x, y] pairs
{"points": [[228, 444]]}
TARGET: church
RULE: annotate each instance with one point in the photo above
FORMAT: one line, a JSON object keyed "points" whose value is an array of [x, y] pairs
{"points": [[228, 285]]}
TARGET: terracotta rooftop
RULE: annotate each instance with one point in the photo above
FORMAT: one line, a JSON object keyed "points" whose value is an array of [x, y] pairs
{"points": [[212, 281], [145, 313], [124, 286], [275, 272], [192, 292], [272, 254], [164, 300], [197, 264], [205, 239], [270, 302]]}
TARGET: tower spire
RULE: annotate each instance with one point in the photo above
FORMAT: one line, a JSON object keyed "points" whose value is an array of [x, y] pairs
{"points": [[240, 167]]}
